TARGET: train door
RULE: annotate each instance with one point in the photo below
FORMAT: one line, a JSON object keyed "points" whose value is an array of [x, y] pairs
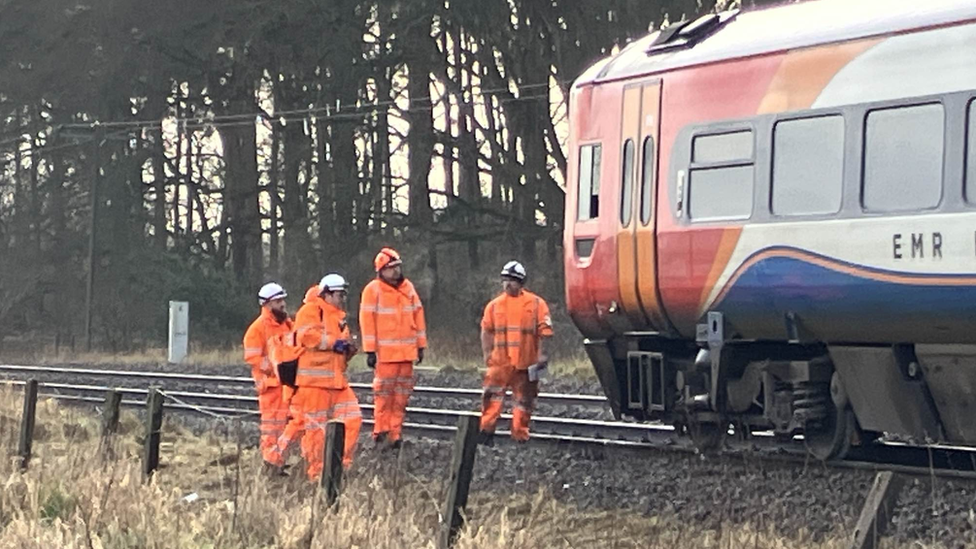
{"points": [[630, 129], [636, 243], [646, 216]]}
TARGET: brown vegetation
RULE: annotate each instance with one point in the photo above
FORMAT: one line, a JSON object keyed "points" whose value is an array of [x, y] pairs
{"points": [[71, 497]]}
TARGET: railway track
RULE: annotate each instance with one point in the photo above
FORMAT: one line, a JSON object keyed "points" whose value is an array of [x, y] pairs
{"points": [[933, 460]]}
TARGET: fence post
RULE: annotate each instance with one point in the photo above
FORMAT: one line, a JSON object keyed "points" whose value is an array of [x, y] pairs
{"points": [[27, 423], [335, 440], [877, 510], [110, 416], [462, 466], [154, 423]]}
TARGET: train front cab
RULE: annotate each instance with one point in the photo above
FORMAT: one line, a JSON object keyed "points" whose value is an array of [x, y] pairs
{"points": [[611, 278]]}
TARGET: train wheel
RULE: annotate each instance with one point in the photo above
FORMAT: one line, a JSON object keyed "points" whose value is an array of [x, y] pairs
{"points": [[832, 439]]}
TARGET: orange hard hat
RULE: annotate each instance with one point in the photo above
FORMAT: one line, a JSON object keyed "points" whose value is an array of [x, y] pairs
{"points": [[388, 257]]}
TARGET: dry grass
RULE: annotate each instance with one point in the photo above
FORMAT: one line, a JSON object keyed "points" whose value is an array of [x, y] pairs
{"points": [[73, 497]]}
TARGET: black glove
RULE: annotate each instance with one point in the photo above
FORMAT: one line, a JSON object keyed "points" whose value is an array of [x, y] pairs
{"points": [[371, 360], [420, 355]]}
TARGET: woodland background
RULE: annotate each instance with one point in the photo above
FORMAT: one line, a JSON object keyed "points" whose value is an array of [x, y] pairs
{"points": [[224, 143]]}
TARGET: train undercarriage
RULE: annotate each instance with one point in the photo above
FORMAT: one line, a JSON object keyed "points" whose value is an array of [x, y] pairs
{"points": [[836, 397]]}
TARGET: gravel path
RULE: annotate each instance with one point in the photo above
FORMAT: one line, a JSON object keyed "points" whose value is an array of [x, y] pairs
{"points": [[811, 502]]}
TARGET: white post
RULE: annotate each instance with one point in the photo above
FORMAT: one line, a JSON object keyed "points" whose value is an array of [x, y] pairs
{"points": [[179, 329]]}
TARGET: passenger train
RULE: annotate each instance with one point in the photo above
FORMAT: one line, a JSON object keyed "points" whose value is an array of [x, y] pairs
{"points": [[771, 223]]}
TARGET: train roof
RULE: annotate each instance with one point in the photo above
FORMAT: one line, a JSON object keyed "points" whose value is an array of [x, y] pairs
{"points": [[732, 35]]}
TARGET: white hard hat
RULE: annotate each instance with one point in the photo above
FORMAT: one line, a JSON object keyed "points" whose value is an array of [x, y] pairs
{"points": [[514, 269], [271, 291], [333, 282]]}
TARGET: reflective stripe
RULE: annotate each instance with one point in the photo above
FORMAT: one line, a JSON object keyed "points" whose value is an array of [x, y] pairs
{"points": [[315, 372], [369, 338], [385, 310], [368, 308], [421, 333], [252, 351], [494, 388], [324, 343], [409, 341]]}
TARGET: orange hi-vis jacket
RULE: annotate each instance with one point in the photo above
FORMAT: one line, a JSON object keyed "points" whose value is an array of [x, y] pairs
{"points": [[318, 326], [259, 342], [516, 324], [392, 321]]}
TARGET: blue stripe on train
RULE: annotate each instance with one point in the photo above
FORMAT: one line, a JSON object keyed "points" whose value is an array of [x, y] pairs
{"points": [[791, 284]]}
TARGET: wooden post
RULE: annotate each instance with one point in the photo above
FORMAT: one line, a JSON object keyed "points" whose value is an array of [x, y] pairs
{"points": [[335, 440], [110, 416], [154, 423], [27, 423], [877, 510], [462, 467]]}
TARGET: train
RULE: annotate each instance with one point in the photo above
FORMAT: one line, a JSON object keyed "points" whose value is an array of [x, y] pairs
{"points": [[771, 224]]}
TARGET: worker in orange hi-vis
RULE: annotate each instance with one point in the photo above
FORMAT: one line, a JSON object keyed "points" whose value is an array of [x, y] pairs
{"points": [[394, 337], [258, 350], [286, 351], [323, 391], [515, 333]]}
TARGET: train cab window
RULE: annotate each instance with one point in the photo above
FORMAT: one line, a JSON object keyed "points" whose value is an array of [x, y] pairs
{"points": [[808, 166], [721, 176], [627, 183], [588, 195], [647, 181], [903, 154], [971, 154]]}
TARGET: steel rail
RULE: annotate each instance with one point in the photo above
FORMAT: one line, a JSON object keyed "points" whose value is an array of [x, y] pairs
{"points": [[244, 380], [446, 430], [562, 430], [596, 428]]}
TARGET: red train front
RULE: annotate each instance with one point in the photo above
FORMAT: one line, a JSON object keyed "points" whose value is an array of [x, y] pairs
{"points": [[769, 223]]}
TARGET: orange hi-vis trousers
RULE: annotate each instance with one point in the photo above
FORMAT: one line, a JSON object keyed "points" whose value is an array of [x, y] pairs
{"points": [[292, 431], [318, 406], [497, 380], [392, 387], [274, 415]]}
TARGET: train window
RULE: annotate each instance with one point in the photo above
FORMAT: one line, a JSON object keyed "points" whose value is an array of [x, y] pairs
{"points": [[903, 153], [721, 176], [808, 166], [971, 154], [627, 183], [588, 195], [724, 147], [720, 193], [647, 181]]}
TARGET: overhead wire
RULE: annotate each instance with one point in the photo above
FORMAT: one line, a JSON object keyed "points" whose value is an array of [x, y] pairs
{"points": [[331, 111]]}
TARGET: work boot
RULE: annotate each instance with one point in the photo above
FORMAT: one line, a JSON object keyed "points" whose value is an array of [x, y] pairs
{"points": [[396, 444], [486, 438], [271, 470], [379, 441]]}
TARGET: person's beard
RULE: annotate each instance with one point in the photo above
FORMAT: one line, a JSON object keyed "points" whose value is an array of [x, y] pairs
{"points": [[280, 315]]}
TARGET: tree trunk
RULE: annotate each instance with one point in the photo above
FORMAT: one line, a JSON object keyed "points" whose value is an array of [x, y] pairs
{"points": [[298, 249], [241, 196], [274, 266], [159, 186]]}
